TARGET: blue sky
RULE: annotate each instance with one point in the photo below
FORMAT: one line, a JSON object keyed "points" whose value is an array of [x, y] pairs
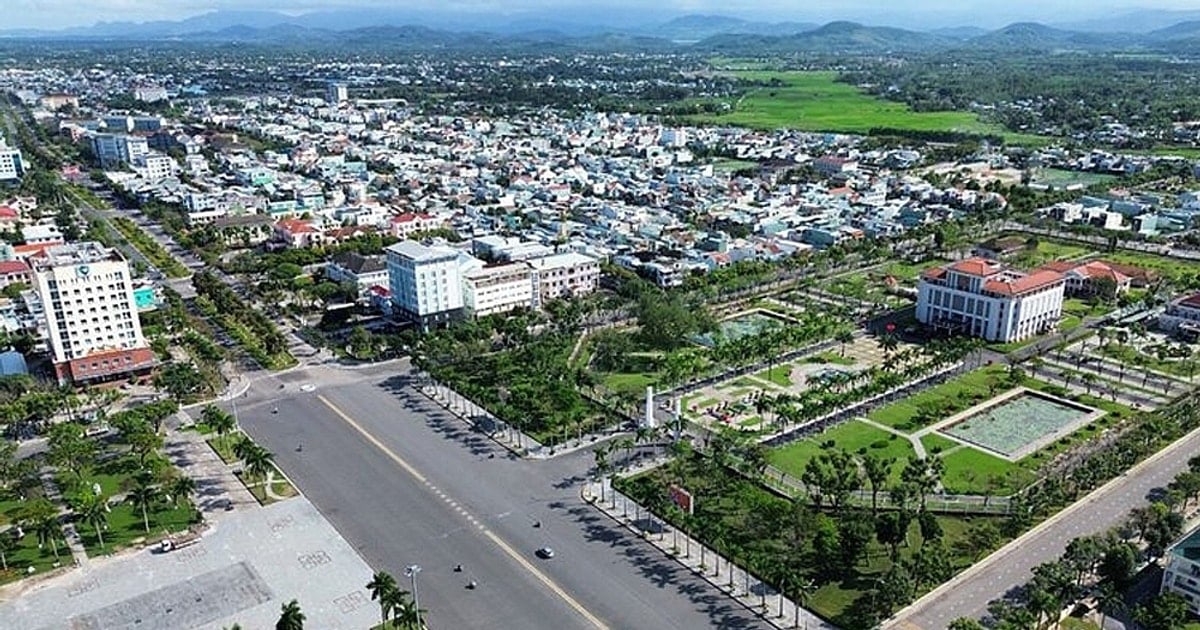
{"points": [[910, 13]]}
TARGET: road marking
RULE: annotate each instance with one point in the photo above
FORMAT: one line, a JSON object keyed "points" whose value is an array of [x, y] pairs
{"points": [[373, 440], [499, 542]]}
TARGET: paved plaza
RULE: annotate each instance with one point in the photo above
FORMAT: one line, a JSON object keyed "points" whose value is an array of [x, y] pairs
{"points": [[241, 572]]}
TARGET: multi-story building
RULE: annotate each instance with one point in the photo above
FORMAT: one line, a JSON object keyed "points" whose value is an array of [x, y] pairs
{"points": [[116, 149], [983, 298], [364, 271], [426, 283], [409, 223], [150, 93], [91, 315], [336, 93], [155, 167], [498, 288], [563, 275], [1182, 573], [11, 166], [1182, 316]]}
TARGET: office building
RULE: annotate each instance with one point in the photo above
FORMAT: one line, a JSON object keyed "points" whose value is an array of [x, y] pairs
{"points": [[1182, 573], [90, 312], [12, 168], [983, 298], [425, 282], [563, 275], [115, 149], [150, 93], [336, 93], [498, 288]]}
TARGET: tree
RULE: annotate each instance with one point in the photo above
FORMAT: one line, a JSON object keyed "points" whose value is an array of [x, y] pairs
{"points": [[855, 529], [7, 545], [1117, 565], [42, 517], [1166, 611], [259, 462], [290, 617], [70, 448], [180, 380], [827, 547], [966, 623], [1110, 602], [844, 337], [877, 470], [891, 528], [220, 420], [94, 510], [143, 494], [181, 488], [382, 587], [980, 540]]}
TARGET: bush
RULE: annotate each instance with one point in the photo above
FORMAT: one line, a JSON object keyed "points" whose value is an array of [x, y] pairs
{"points": [[878, 444]]}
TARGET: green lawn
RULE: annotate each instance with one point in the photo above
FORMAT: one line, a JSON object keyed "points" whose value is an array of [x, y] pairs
{"points": [[279, 485], [1060, 178], [778, 375], [1132, 357], [968, 471], [814, 101], [223, 445], [935, 444], [629, 383], [1173, 269], [1069, 323], [905, 271], [858, 438], [1047, 251], [1085, 308], [949, 398], [28, 555], [125, 526], [835, 358]]}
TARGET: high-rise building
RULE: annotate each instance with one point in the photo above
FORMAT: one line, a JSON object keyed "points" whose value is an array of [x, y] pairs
{"points": [[11, 166], [115, 149], [336, 93], [91, 314], [426, 283]]}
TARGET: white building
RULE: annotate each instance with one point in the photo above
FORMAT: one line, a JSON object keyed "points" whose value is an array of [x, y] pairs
{"points": [[1182, 316], [90, 311], [155, 166], [150, 93], [11, 166], [498, 288], [41, 234], [336, 93], [983, 298], [1182, 573], [364, 271], [564, 275], [425, 282]]}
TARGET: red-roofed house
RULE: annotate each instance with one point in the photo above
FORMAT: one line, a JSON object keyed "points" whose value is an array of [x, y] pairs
{"points": [[14, 271], [404, 225], [297, 233], [9, 219], [983, 298]]}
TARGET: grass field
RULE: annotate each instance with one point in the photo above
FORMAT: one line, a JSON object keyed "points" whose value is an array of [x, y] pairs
{"points": [[855, 437], [814, 101], [1059, 178], [948, 398], [1172, 269], [1047, 251]]}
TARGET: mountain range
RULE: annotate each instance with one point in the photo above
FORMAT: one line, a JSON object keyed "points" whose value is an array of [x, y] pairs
{"points": [[713, 33]]}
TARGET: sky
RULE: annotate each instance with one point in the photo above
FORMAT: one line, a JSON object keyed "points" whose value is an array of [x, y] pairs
{"points": [[907, 13]]}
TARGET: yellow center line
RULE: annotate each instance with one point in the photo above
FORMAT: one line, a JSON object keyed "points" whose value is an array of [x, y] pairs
{"points": [[499, 542]]}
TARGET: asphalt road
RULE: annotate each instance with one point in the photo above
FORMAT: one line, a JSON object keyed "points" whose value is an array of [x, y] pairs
{"points": [[1012, 565], [370, 444]]}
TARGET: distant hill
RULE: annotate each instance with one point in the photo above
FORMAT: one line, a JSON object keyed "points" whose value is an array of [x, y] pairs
{"points": [[835, 37], [959, 32], [1140, 21], [698, 27], [1027, 36]]}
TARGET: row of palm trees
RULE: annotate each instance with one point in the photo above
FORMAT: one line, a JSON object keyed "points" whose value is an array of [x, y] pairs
{"points": [[396, 606], [257, 461]]}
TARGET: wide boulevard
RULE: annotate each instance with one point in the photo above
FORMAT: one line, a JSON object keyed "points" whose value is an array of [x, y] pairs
{"points": [[407, 484]]}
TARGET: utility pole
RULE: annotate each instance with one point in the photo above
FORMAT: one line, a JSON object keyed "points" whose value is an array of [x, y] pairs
{"points": [[411, 571]]}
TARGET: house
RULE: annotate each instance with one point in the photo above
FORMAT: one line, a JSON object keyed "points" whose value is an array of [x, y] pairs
{"points": [[13, 272], [363, 271], [830, 165], [1091, 278], [296, 233], [405, 225], [1001, 248], [1182, 317], [10, 219]]}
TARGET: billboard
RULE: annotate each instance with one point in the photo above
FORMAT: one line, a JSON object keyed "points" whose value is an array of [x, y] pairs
{"points": [[681, 498]]}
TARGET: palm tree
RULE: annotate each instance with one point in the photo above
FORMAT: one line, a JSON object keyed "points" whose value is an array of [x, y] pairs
{"points": [[290, 617], [407, 616], [181, 489], [94, 509], [142, 495], [7, 544], [259, 462], [381, 586], [221, 421], [42, 517], [845, 337]]}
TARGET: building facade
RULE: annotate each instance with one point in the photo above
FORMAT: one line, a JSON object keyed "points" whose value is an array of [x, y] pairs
{"points": [[91, 314], [1182, 573], [426, 283], [115, 149], [11, 166], [983, 298], [564, 275], [1182, 317], [498, 289], [364, 271]]}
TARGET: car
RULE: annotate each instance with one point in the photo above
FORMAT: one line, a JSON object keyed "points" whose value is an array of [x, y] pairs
{"points": [[545, 553], [308, 387]]}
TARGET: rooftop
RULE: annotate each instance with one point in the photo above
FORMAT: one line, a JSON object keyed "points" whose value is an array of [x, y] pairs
{"points": [[413, 250], [76, 254], [1189, 547]]}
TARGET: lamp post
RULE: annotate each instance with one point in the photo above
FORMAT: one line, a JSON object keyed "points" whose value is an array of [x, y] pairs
{"points": [[411, 571]]}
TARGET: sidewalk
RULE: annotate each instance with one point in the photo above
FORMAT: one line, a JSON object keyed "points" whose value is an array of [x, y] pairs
{"points": [[744, 588], [502, 433], [216, 486]]}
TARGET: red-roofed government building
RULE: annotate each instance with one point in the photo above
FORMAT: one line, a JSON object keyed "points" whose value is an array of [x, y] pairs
{"points": [[984, 298]]}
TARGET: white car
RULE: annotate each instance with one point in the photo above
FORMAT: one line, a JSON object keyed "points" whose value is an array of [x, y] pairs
{"points": [[308, 387]]}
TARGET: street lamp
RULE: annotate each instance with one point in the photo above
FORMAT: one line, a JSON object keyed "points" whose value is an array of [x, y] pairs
{"points": [[411, 571]]}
